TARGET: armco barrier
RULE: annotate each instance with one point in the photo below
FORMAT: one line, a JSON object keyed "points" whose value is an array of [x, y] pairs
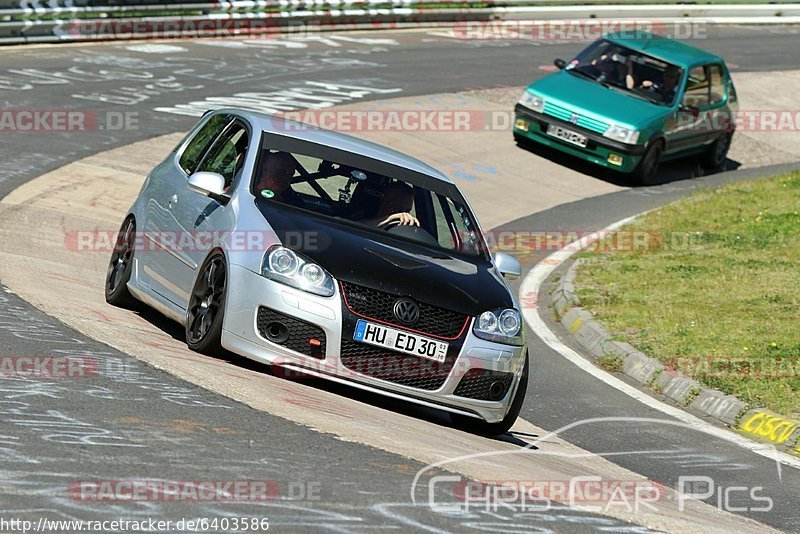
{"points": [[74, 20]]}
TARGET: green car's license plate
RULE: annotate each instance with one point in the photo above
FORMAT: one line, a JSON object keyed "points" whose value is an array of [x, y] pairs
{"points": [[566, 135]]}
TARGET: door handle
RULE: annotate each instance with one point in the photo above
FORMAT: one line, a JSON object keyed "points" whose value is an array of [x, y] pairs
{"points": [[173, 200]]}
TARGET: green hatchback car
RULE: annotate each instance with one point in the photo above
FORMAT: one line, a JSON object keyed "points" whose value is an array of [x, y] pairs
{"points": [[629, 102]]}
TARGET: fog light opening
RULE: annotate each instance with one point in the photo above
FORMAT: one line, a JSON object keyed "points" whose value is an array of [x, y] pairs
{"points": [[497, 390], [615, 159], [277, 332], [521, 124]]}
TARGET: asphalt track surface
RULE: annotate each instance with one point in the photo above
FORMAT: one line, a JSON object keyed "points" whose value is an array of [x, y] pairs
{"points": [[188, 433]]}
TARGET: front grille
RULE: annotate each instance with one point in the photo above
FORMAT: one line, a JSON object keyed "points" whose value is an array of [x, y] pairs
{"points": [[476, 384], [374, 304], [299, 332], [396, 367], [565, 114]]}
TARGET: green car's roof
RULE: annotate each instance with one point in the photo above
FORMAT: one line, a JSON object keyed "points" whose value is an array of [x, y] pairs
{"points": [[676, 52]]}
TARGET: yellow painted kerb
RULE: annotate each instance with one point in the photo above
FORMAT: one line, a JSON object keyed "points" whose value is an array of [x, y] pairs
{"points": [[770, 427]]}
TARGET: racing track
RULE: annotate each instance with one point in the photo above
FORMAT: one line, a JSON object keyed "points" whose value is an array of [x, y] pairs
{"points": [[176, 427]]}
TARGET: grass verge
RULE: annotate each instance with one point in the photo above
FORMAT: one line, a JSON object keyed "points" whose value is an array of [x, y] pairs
{"points": [[710, 285]]}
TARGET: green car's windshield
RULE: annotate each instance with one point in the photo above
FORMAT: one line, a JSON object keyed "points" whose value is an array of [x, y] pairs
{"points": [[623, 68]]}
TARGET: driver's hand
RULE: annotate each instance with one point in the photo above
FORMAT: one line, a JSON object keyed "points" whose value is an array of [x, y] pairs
{"points": [[647, 83], [403, 219]]}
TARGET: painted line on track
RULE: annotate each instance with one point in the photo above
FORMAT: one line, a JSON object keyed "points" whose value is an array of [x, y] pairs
{"points": [[531, 285]]}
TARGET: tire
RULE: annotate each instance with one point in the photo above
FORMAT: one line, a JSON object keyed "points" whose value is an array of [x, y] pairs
{"points": [[647, 170], [120, 267], [478, 426], [206, 308], [714, 158]]}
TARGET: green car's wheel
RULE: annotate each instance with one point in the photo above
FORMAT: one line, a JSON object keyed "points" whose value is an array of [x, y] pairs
{"points": [[647, 170], [714, 158]]}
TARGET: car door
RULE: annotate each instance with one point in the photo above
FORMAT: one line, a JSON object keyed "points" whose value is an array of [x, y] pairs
{"points": [[688, 127], [168, 191], [199, 219]]}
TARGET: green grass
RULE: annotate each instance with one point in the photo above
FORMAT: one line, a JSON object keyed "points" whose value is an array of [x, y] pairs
{"points": [[712, 289]]}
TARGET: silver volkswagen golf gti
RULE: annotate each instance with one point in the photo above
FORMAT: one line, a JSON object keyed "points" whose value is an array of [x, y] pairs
{"points": [[323, 254]]}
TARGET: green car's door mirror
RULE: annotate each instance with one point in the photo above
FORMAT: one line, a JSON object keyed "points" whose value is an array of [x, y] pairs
{"points": [[686, 108], [560, 63]]}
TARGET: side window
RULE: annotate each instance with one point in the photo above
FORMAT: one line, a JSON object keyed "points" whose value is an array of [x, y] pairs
{"points": [[226, 155], [444, 234], [697, 88], [467, 232], [449, 213], [717, 80], [197, 146]]}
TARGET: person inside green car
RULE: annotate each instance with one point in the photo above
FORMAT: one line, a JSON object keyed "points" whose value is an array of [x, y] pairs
{"points": [[615, 67], [668, 86]]}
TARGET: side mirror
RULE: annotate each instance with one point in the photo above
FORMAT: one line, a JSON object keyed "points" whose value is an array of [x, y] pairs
{"points": [[209, 184], [692, 110], [507, 265], [560, 63]]}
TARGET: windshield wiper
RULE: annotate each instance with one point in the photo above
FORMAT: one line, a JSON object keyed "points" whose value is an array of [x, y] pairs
{"points": [[585, 74], [599, 79]]}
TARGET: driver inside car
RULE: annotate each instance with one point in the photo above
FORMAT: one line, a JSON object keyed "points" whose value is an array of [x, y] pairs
{"points": [[667, 87], [395, 206], [275, 178]]}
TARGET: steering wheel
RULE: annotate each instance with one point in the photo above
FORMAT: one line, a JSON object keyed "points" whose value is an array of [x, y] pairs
{"points": [[390, 225]]}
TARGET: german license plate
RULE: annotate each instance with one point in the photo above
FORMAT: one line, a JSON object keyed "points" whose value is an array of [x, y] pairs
{"points": [[399, 340], [566, 135]]}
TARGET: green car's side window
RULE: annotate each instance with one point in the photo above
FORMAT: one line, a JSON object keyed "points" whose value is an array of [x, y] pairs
{"points": [[717, 81], [705, 87], [697, 87]]}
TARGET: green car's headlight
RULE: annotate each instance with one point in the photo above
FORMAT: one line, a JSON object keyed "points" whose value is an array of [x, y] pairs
{"points": [[288, 267], [532, 101], [620, 133], [502, 326]]}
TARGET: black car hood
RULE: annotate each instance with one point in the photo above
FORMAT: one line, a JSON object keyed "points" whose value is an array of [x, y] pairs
{"points": [[389, 264]]}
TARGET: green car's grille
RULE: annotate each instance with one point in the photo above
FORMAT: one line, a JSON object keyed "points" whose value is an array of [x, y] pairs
{"points": [[565, 114]]}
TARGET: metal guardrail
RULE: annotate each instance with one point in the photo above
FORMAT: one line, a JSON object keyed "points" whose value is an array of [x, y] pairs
{"points": [[77, 20]]}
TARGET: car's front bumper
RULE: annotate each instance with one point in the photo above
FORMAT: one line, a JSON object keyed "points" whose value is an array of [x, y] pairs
{"points": [[248, 291], [599, 150]]}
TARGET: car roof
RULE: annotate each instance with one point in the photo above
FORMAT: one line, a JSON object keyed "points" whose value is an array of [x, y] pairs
{"points": [[276, 125], [669, 50]]}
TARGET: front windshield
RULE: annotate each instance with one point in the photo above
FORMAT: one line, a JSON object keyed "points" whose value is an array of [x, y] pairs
{"points": [[371, 200], [634, 72]]}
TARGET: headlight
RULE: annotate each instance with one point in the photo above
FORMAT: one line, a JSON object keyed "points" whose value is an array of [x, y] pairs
{"points": [[502, 326], [288, 267], [532, 101], [619, 133]]}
